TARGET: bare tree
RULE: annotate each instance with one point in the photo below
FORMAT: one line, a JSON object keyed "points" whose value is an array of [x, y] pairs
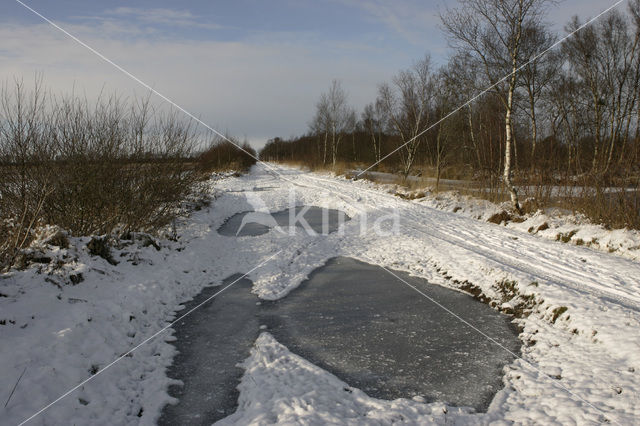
{"points": [[321, 124], [634, 10], [536, 75], [90, 169], [575, 113], [333, 120], [492, 31], [446, 98], [603, 59], [24, 148], [408, 104], [340, 117], [621, 79], [373, 120]]}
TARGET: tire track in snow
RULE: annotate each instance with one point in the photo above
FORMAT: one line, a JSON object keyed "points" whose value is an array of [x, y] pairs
{"points": [[500, 251]]}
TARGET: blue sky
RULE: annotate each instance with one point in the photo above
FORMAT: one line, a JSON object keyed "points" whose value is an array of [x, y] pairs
{"points": [[254, 68]]}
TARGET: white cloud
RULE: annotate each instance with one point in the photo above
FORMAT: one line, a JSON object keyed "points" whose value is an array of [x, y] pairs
{"points": [[418, 22], [255, 88], [179, 18], [411, 19]]}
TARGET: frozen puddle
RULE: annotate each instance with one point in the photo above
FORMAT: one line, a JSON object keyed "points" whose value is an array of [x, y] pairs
{"points": [[310, 218], [356, 321], [371, 330], [211, 341]]}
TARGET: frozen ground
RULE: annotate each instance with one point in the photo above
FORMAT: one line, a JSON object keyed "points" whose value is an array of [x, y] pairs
{"points": [[553, 224], [579, 364]]}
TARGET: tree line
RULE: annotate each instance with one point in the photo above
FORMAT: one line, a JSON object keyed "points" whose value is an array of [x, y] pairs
{"points": [[544, 112]]}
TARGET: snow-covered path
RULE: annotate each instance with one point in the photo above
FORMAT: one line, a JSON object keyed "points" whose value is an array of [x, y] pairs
{"points": [[581, 367]]}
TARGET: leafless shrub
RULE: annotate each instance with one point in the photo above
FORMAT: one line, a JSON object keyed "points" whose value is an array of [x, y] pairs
{"points": [[613, 206], [90, 169]]}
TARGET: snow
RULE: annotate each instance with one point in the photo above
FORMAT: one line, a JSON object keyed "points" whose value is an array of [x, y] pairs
{"points": [[279, 387], [581, 368], [556, 224]]}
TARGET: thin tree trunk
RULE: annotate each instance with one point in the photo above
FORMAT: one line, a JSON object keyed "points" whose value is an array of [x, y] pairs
{"points": [[596, 153], [334, 147], [534, 130], [507, 151], [438, 160], [508, 124], [353, 145], [375, 146], [473, 137], [324, 155]]}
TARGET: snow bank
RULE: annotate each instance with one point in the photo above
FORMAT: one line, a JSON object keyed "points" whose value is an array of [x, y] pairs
{"points": [[553, 224], [279, 387]]}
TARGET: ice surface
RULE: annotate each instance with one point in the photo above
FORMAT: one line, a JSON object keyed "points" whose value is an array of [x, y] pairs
{"points": [[211, 341], [358, 322], [231, 228], [319, 220], [368, 328]]}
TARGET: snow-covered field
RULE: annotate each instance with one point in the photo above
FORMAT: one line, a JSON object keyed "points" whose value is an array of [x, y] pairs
{"points": [[579, 365]]}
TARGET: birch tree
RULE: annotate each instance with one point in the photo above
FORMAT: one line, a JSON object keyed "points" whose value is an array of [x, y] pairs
{"points": [[333, 120], [373, 121], [491, 31], [537, 75], [408, 104], [339, 117], [320, 125]]}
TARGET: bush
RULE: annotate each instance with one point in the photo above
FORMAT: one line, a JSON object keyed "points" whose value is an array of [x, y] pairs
{"points": [[616, 207], [90, 169]]}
